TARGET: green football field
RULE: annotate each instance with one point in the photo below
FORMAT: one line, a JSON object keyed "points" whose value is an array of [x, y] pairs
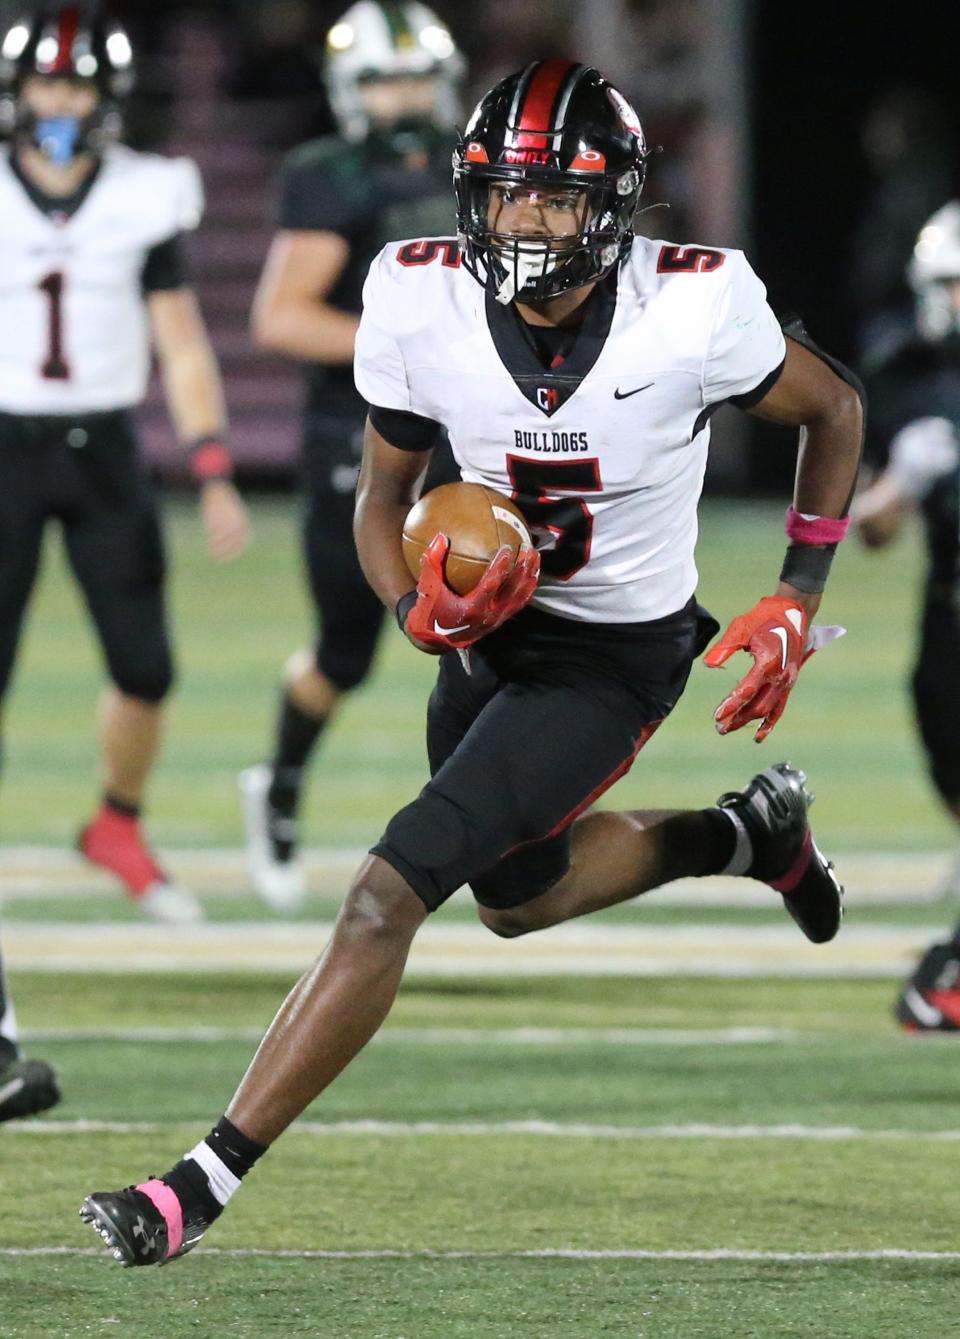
{"points": [[653, 1155]]}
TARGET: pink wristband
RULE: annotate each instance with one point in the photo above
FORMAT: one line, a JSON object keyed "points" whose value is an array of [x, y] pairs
{"points": [[815, 529]]}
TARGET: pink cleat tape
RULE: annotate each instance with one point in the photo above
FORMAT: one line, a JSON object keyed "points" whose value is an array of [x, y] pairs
{"points": [[168, 1204], [787, 882]]}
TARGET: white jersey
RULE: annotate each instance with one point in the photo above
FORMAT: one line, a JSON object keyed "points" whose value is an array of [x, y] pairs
{"points": [[73, 324], [605, 453]]}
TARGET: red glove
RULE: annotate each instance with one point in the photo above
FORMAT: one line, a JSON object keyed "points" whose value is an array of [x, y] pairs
{"points": [[441, 618], [774, 632]]}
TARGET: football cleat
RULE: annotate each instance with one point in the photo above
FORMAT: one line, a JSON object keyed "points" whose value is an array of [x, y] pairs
{"points": [[773, 808], [143, 1225], [272, 865], [116, 843], [930, 999], [26, 1088]]}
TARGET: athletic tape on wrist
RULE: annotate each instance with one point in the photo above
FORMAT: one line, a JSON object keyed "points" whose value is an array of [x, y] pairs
{"points": [[806, 567], [804, 529], [403, 607]]}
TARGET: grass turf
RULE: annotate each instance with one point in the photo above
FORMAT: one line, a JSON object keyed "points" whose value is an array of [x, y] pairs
{"points": [[503, 1193], [848, 723]]}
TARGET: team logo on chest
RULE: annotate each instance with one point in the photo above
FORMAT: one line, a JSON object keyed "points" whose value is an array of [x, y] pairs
{"points": [[548, 399]]}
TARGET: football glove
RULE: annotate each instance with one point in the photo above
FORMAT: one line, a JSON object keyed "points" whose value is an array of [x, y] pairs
{"points": [[774, 632], [444, 620]]}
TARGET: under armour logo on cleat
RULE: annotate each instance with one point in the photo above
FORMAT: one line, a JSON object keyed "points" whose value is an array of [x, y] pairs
{"points": [[149, 1238]]}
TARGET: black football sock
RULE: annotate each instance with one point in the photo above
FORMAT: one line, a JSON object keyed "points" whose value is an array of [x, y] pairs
{"points": [[209, 1174], [731, 851], [120, 806], [296, 735]]}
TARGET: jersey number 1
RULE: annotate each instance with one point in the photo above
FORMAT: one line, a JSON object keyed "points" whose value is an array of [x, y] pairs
{"points": [[55, 366]]}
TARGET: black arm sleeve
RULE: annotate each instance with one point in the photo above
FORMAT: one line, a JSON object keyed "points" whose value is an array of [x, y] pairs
{"points": [[165, 266], [405, 431]]}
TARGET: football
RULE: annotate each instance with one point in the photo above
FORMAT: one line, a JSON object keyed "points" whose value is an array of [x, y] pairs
{"points": [[476, 520]]}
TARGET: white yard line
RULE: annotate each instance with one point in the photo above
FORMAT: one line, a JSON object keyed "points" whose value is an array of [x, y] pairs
{"points": [[30, 872], [483, 1129], [453, 1036], [545, 1253], [450, 949]]}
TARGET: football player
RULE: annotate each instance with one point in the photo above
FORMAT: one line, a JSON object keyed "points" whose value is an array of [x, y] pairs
{"points": [[392, 72], [915, 439], [93, 274], [575, 366]]}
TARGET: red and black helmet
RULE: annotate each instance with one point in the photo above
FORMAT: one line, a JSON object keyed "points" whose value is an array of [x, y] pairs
{"points": [[68, 41], [561, 124], [65, 41]]}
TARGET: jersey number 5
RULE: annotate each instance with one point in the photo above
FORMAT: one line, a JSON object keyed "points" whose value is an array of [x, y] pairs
{"points": [[563, 527], [55, 366]]}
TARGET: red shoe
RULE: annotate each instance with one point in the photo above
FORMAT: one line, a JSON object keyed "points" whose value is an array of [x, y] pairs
{"points": [[115, 842]]}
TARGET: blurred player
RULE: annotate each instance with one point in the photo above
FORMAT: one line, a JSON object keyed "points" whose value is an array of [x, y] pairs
{"points": [[915, 437], [392, 73], [578, 366], [92, 274], [26, 1086]]}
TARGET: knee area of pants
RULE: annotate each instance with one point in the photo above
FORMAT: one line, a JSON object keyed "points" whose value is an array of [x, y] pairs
{"points": [[148, 687], [345, 671]]}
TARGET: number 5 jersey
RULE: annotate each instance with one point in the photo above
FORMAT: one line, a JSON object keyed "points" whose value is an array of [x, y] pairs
{"points": [[73, 325], [604, 447]]}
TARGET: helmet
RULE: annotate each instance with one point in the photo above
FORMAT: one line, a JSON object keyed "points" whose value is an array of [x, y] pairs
{"points": [[388, 39], [936, 259], [561, 124], [65, 41]]}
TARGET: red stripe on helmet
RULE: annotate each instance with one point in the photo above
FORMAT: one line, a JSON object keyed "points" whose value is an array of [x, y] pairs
{"points": [[68, 27], [545, 86]]}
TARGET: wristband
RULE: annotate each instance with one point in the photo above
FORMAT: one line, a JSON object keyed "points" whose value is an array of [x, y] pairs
{"points": [[210, 460], [804, 529], [807, 566], [403, 607]]}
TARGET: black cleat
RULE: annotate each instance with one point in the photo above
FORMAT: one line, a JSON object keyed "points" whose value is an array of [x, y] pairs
{"points": [[137, 1229], [773, 808], [930, 999], [27, 1087]]}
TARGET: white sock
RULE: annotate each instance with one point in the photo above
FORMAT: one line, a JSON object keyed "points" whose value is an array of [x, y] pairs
{"points": [[220, 1179], [742, 857]]}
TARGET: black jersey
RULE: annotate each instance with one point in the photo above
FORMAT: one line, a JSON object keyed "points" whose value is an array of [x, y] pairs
{"points": [[369, 196], [922, 380]]}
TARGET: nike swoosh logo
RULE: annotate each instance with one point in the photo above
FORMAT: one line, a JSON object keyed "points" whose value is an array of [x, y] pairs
{"points": [[782, 634], [449, 632], [11, 1089], [618, 394]]}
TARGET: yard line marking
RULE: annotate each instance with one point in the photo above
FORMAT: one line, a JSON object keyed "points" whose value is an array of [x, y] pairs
{"points": [[871, 878], [544, 1253], [537, 1128], [463, 950], [454, 1036]]}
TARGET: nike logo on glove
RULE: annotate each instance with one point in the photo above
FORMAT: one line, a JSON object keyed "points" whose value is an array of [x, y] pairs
{"points": [[782, 634], [449, 632], [618, 394]]}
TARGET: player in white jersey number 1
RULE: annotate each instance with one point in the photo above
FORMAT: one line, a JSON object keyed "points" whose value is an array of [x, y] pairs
{"points": [[91, 275], [576, 367]]}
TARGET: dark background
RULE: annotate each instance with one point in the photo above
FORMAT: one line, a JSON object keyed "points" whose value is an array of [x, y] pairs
{"points": [[847, 114]]}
